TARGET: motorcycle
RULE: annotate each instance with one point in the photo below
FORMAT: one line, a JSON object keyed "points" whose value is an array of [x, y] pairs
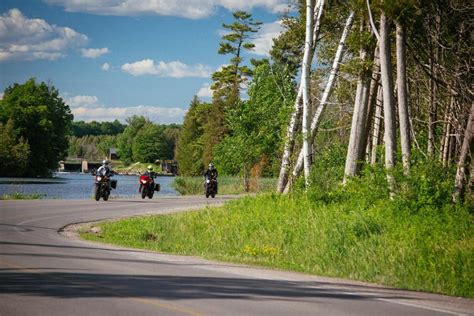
{"points": [[102, 187], [210, 187], [148, 186]]}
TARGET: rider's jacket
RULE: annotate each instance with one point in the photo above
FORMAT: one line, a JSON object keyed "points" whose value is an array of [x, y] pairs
{"points": [[211, 174], [104, 170]]}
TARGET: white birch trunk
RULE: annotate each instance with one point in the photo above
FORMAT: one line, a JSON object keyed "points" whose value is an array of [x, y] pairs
{"points": [[402, 98], [326, 94], [305, 83], [292, 126], [464, 157], [388, 104]]}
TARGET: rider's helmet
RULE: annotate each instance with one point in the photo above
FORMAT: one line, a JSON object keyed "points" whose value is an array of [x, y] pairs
{"points": [[211, 166], [105, 162], [150, 168]]}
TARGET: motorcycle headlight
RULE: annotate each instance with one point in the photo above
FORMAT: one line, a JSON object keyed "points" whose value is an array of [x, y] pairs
{"points": [[143, 181], [98, 178], [207, 181]]}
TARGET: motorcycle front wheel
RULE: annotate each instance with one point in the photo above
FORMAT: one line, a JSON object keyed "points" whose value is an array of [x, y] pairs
{"points": [[144, 192], [97, 193]]}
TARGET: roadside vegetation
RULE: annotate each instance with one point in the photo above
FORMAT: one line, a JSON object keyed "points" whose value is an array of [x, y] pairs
{"points": [[227, 185], [415, 241], [20, 196]]}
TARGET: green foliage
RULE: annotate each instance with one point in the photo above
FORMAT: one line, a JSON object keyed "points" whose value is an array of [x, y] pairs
{"points": [[91, 147], [41, 119], [82, 128], [287, 48], [257, 125], [234, 43], [190, 148], [125, 141], [150, 144], [14, 151], [227, 185]]}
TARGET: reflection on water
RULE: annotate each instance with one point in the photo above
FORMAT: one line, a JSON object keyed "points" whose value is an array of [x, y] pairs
{"points": [[77, 186]]}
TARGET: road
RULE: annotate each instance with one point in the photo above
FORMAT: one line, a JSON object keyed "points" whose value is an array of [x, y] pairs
{"points": [[45, 272]]}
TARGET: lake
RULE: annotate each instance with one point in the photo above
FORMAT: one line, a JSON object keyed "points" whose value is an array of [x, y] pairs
{"points": [[78, 186]]}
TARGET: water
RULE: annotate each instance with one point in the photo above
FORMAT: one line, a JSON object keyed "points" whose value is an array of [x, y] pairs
{"points": [[78, 186]]}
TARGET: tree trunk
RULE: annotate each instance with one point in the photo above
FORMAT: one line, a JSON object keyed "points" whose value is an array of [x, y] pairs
{"points": [[388, 104], [356, 147], [289, 143], [326, 94], [445, 140], [374, 87], [402, 98], [467, 150], [305, 83], [377, 125], [292, 126]]}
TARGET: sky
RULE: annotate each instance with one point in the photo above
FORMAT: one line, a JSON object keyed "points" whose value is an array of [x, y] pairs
{"points": [[112, 59]]}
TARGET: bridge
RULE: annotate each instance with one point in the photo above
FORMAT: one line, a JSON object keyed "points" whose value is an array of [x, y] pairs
{"points": [[83, 166]]}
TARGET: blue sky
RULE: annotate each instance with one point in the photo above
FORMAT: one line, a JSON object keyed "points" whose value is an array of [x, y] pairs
{"points": [[114, 58]]}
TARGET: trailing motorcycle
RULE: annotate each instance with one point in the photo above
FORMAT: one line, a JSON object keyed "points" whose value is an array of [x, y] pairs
{"points": [[103, 184], [148, 186], [210, 187]]}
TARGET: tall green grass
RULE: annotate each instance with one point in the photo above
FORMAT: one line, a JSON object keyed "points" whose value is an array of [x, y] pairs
{"points": [[227, 185], [419, 240], [20, 196]]}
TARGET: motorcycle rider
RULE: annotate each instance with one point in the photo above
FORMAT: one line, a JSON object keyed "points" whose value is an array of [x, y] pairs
{"points": [[211, 173], [150, 173], [106, 171]]}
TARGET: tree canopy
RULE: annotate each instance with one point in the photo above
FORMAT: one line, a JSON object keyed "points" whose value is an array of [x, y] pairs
{"points": [[39, 117]]}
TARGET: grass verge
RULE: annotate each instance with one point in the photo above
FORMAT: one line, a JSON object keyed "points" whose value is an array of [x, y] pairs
{"points": [[20, 196], [227, 185], [430, 251]]}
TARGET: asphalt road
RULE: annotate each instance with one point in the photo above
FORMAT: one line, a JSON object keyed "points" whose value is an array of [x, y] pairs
{"points": [[45, 272]]}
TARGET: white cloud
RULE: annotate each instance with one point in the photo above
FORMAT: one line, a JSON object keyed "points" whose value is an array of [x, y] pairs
{"points": [[264, 39], [205, 91], [88, 108], [175, 69], [162, 115], [106, 66], [193, 9], [82, 101], [94, 52], [22, 38]]}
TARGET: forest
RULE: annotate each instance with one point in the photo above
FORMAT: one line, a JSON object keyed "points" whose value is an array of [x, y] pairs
{"points": [[385, 84]]}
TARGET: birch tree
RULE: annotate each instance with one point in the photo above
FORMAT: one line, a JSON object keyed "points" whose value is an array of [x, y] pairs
{"points": [[305, 84], [387, 92], [402, 97], [292, 125], [325, 96]]}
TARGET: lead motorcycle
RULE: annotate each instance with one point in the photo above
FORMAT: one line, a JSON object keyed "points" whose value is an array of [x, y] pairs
{"points": [[210, 187], [103, 184], [148, 186]]}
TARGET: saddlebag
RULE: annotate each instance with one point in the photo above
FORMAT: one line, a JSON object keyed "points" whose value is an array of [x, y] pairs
{"points": [[113, 184], [157, 187]]}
